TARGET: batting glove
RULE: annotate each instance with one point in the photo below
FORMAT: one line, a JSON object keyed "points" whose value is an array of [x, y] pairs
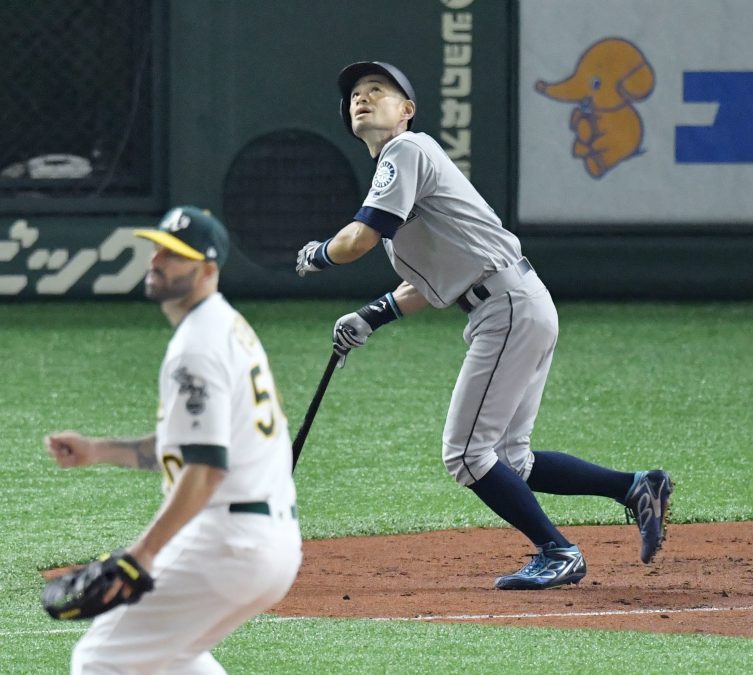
{"points": [[313, 258], [352, 330]]}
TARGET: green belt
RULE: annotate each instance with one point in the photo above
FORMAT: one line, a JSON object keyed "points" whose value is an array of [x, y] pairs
{"points": [[261, 508]]}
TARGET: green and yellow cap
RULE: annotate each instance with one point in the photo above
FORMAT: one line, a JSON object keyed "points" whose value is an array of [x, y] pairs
{"points": [[191, 232]]}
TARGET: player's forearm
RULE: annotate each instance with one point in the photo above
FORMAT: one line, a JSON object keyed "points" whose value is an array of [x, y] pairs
{"points": [[190, 494], [136, 453], [352, 242], [408, 299]]}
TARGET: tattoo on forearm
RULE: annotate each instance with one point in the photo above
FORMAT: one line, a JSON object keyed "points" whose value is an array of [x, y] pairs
{"points": [[142, 450]]}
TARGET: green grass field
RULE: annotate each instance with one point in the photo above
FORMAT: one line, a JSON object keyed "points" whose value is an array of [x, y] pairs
{"points": [[632, 386]]}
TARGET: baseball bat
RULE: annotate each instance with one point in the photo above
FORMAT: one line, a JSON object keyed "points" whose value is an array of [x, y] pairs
{"points": [[308, 420]]}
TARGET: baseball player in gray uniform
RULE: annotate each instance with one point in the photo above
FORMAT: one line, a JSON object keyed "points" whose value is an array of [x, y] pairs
{"points": [[225, 544], [451, 249]]}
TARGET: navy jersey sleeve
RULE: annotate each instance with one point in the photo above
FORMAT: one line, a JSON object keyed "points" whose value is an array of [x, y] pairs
{"points": [[382, 221]]}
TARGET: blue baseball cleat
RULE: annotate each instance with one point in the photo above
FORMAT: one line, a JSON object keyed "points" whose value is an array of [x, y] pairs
{"points": [[647, 502], [552, 566]]}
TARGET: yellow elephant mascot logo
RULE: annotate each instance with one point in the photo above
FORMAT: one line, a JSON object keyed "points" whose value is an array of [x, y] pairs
{"points": [[610, 77]]}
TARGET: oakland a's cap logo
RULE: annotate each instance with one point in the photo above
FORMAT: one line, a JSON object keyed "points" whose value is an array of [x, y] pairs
{"points": [[175, 221], [384, 175]]}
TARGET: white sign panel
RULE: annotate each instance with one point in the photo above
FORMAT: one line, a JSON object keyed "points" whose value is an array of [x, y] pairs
{"points": [[636, 111]]}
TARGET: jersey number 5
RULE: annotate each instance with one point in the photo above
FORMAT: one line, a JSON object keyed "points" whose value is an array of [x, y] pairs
{"points": [[262, 397]]}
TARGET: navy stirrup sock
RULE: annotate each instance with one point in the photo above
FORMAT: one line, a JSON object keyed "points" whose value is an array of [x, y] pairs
{"points": [[558, 473], [508, 495]]}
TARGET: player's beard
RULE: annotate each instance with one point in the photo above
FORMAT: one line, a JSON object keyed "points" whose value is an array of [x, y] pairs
{"points": [[172, 289]]}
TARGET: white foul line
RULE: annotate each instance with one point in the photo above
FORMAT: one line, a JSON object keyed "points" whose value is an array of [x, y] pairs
{"points": [[549, 615], [557, 615]]}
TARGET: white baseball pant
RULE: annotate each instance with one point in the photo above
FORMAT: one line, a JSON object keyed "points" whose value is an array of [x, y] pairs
{"points": [[219, 571]]}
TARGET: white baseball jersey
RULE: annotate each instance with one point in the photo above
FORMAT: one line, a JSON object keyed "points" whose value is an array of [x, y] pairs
{"points": [[223, 566], [216, 389], [450, 237]]}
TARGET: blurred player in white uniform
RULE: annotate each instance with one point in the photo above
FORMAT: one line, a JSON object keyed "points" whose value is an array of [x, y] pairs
{"points": [[450, 248], [225, 544]]}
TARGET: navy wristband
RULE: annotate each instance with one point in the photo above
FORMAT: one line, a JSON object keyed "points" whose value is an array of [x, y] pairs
{"points": [[380, 311], [321, 259]]}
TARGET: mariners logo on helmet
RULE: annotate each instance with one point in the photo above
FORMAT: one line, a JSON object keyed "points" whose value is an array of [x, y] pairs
{"points": [[384, 175]]}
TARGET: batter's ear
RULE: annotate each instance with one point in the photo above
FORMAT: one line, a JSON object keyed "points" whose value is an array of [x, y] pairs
{"points": [[409, 109]]}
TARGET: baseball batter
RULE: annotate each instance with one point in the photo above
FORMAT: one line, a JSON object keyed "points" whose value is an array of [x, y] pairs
{"points": [[450, 248], [225, 544]]}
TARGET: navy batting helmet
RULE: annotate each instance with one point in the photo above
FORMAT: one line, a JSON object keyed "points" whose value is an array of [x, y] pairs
{"points": [[355, 71]]}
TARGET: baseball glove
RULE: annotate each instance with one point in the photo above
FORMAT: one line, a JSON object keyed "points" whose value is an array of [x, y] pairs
{"points": [[80, 594]]}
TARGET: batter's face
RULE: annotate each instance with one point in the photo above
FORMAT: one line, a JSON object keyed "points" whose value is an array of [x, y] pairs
{"points": [[171, 276], [376, 104]]}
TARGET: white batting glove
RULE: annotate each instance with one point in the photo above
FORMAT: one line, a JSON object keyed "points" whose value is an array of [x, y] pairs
{"points": [[312, 258], [350, 331]]}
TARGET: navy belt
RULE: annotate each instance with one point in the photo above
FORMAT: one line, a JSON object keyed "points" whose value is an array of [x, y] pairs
{"points": [[498, 283], [262, 508]]}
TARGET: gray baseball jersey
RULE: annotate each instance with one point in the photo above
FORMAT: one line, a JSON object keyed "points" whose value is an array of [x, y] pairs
{"points": [[450, 237], [443, 238]]}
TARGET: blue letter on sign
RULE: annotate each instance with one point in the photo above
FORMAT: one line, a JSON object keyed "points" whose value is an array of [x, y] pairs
{"points": [[730, 139]]}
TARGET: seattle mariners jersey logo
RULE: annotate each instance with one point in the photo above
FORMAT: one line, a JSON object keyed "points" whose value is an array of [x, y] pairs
{"points": [[384, 175], [195, 387]]}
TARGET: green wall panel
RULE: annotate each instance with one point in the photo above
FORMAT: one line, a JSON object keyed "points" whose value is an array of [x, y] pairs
{"points": [[240, 70]]}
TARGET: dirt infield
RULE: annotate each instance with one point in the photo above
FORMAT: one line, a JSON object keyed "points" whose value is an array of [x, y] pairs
{"points": [[702, 582]]}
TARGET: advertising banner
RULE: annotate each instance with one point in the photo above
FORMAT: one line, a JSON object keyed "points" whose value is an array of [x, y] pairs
{"points": [[87, 257], [636, 112], [56, 257]]}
